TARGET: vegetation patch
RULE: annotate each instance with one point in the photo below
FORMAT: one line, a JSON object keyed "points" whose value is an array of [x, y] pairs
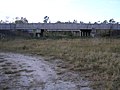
{"points": [[97, 59]]}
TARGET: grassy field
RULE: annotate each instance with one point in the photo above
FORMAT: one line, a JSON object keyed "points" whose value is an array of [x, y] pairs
{"points": [[97, 59]]}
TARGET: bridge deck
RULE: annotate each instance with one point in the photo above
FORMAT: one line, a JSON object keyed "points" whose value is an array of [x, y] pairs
{"points": [[59, 26]]}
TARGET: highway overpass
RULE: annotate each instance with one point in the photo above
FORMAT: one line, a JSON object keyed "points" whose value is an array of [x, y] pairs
{"points": [[84, 29]]}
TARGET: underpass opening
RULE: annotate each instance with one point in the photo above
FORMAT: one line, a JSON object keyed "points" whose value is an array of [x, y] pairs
{"points": [[85, 32]]}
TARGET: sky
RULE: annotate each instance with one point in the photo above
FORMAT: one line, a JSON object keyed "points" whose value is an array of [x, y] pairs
{"points": [[60, 10]]}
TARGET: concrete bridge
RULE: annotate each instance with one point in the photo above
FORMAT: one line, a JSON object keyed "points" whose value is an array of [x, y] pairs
{"points": [[39, 28]]}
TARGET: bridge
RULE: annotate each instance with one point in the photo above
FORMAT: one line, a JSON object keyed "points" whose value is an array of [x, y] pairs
{"points": [[39, 28]]}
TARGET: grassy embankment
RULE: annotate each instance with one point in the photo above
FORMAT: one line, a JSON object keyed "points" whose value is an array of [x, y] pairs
{"points": [[97, 59]]}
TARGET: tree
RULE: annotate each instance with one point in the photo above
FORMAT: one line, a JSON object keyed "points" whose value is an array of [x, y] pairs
{"points": [[74, 21], [24, 20], [1, 21], [112, 21], [7, 19], [95, 23], [105, 22], [81, 22], [21, 20], [58, 22], [46, 18]]}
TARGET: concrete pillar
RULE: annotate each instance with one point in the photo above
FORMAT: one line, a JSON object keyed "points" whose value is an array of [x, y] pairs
{"points": [[34, 33], [85, 33], [88, 33], [93, 33], [80, 33]]}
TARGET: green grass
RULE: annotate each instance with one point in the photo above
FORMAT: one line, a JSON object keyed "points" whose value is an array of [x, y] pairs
{"points": [[97, 59]]}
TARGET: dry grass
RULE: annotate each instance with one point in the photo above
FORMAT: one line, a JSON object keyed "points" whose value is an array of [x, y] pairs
{"points": [[97, 59]]}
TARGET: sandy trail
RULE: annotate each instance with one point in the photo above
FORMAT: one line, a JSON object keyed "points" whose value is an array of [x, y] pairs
{"points": [[25, 72]]}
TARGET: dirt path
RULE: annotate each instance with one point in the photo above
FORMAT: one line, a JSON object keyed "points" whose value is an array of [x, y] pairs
{"points": [[24, 72]]}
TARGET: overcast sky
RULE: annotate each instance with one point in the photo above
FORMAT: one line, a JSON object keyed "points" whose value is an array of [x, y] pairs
{"points": [[61, 10]]}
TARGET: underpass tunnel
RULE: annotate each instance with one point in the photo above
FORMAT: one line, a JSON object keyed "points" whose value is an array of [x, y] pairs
{"points": [[85, 33]]}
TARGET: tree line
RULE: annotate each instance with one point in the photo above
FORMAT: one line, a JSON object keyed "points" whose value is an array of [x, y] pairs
{"points": [[20, 20]]}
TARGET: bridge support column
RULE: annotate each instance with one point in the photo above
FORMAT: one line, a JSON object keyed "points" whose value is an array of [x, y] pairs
{"points": [[93, 32], [83, 33], [80, 33], [88, 34]]}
